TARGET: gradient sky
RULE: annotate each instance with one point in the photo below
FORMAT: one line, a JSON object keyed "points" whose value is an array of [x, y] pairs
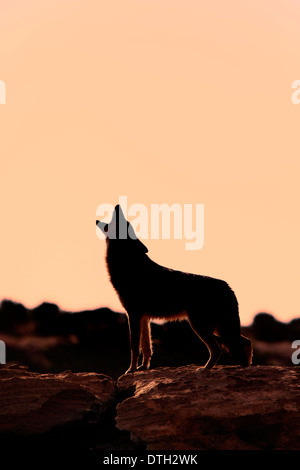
{"points": [[173, 101]]}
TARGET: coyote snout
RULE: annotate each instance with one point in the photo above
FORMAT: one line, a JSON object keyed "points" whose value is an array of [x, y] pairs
{"points": [[148, 290]]}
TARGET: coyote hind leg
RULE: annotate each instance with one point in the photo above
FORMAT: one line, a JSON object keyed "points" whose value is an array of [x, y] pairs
{"points": [[240, 347], [215, 350], [145, 343]]}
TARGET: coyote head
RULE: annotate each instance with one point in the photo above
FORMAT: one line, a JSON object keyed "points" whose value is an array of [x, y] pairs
{"points": [[120, 232]]}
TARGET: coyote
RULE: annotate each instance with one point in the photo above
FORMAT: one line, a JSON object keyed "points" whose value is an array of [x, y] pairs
{"points": [[150, 291]]}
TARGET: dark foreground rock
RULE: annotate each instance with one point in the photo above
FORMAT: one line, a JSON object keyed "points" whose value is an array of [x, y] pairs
{"points": [[186, 408], [57, 416], [223, 408], [37, 403]]}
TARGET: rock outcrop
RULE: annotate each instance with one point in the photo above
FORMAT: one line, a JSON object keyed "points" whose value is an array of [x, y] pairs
{"points": [[34, 403], [184, 408], [223, 408], [55, 417]]}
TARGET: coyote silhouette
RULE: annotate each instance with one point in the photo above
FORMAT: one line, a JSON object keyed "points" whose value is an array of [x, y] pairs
{"points": [[148, 291]]}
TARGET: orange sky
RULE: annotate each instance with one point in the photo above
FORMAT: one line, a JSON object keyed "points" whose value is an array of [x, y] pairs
{"points": [[168, 101]]}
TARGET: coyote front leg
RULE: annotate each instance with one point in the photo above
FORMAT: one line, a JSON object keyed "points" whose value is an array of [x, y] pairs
{"points": [[145, 343], [134, 334]]}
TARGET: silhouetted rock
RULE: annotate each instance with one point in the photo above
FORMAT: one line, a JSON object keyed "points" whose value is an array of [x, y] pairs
{"points": [[227, 408], [12, 315], [46, 316], [267, 328]]}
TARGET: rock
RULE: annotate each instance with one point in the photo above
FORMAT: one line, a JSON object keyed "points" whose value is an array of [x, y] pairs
{"points": [[185, 408], [33, 403], [226, 408]]}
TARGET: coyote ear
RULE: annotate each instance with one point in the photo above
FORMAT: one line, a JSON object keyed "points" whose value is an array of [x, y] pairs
{"points": [[118, 212], [101, 225]]}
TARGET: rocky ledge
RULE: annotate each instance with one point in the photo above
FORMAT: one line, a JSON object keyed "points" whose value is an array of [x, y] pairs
{"points": [[184, 408], [33, 403], [228, 408]]}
